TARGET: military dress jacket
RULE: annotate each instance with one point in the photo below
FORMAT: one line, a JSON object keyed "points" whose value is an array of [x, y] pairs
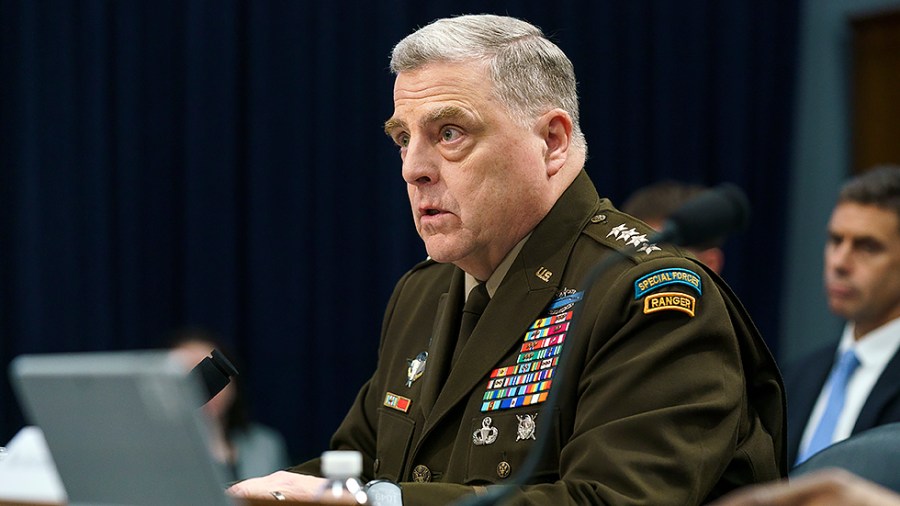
{"points": [[668, 396], [805, 379]]}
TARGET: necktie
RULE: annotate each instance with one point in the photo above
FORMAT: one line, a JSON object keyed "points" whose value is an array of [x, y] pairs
{"points": [[475, 303], [837, 385]]}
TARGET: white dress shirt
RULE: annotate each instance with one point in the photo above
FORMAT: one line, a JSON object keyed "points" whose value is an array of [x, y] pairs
{"points": [[874, 350]]}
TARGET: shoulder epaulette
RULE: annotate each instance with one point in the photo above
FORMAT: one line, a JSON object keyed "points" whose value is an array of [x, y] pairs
{"points": [[623, 232]]}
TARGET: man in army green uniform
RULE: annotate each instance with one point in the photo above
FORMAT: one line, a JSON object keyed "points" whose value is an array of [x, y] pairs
{"points": [[668, 394]]}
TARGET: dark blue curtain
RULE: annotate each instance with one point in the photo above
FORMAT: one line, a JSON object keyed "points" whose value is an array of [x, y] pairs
{"points": [[166, 163]]}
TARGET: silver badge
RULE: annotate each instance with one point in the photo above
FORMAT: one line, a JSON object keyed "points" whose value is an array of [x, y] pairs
{"points": [[416, 368], [565, 292], [486, 434], [526, 427], [633, 238]]}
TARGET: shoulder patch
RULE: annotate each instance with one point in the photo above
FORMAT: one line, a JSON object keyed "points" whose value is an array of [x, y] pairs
{"points": [[665, 277], [670, 301]]}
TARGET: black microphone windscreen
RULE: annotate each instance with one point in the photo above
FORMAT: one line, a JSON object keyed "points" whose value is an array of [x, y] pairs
{"points": [[713, 214], [213, 374]]}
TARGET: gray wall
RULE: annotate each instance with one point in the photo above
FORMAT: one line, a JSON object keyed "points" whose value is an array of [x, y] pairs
{"points": [[821, 162]]}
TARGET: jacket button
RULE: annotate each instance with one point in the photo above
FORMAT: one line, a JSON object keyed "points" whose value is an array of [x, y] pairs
{"points": [[421, 474], [598, 218], [503, 469]]}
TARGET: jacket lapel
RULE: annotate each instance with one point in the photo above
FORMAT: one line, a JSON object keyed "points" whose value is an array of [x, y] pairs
{"points": [[443, 340], [885, 389]]}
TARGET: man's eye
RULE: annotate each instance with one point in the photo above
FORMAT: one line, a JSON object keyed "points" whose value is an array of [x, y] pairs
{"points": [[869, 247], [449, 134], [402, 140]]}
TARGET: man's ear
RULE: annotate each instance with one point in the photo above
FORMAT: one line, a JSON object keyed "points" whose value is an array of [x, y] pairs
{"points": [[556, 132]]}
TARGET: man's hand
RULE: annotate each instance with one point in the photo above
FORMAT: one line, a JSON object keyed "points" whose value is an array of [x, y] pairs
{"points": [[278, 485], [830, 487]]}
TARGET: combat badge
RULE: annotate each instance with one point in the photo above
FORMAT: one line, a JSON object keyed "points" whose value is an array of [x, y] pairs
{"points": [[416, 368], [526, 427], [564, 300], [486, 435]]}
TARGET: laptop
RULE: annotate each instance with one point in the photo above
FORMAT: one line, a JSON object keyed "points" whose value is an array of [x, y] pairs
{"points": [[122, 427]]}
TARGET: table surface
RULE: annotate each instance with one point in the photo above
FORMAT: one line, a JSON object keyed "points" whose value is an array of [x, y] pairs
{"points": [[244, 502]]}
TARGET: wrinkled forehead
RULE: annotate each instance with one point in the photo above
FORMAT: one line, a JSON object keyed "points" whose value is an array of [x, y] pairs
{"points": [[441, 91], [445, 73]]}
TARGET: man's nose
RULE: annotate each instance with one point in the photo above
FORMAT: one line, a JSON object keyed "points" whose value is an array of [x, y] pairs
{"points": [[839, 258], [420, 164]]}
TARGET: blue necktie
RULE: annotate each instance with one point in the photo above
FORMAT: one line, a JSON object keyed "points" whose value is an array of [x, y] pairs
{"points": [[837, 385]]}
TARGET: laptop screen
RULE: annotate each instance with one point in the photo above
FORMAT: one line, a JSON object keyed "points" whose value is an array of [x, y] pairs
{"points": [[122, 427]]}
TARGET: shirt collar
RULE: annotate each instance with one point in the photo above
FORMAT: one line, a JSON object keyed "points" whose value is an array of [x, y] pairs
{"points": [[875, 348], [493, 282]]}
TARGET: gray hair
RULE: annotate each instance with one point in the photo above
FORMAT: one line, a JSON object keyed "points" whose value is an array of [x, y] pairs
{"points": [[531, 75]]}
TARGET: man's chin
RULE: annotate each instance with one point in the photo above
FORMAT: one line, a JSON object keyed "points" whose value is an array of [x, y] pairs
{"points": [[441, 257], [841, 309], [442, 250]]}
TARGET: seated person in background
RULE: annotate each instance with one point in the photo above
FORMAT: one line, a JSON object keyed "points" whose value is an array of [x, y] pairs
{"points": [[854, 385], [654, 203], [667, 393], [244, 448]]}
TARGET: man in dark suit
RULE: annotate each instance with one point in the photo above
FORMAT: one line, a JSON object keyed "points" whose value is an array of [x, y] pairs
{"points": [[854, 385]]}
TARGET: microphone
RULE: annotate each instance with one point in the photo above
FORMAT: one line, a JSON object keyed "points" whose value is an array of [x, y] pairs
{"points": [[710, 215], [213, 373]]}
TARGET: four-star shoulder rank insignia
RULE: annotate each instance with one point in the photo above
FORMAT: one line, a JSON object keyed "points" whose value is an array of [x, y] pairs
{"points": [[633, 238]]}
